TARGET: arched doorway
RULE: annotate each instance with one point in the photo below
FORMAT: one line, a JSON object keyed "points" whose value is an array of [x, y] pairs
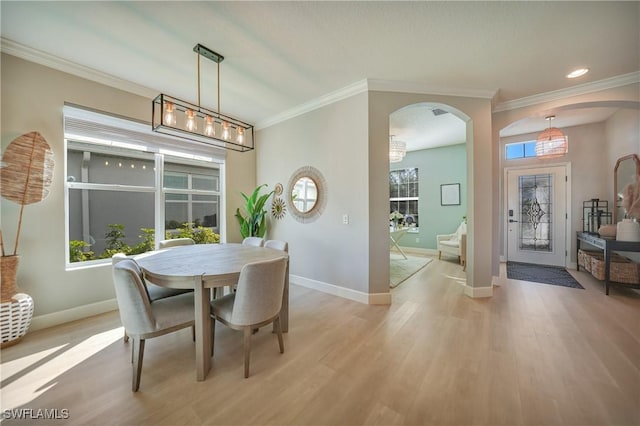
{"points": [[435, 166]]}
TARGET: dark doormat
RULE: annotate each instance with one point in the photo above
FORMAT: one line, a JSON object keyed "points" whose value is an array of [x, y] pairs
{"points": [[544, 274]]}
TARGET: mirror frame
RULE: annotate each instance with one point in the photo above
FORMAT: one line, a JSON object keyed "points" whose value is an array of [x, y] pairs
{"points": [[321, 188], [636, 160]]}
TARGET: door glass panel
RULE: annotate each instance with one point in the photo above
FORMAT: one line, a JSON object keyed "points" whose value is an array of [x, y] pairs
{"points": [[535, 195]]}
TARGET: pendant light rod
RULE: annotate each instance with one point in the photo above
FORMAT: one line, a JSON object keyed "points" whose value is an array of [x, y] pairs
{"points": [[196, 123], [215, 57]]}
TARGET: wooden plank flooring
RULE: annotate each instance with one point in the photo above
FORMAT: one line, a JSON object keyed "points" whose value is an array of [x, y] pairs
{"points": [[533, 354]]}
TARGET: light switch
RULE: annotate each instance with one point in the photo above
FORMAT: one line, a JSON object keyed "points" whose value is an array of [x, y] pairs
{"points": [[345, 219]]}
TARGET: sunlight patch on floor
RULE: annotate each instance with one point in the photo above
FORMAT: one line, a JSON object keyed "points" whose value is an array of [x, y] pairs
{"points": [[29, 377]]}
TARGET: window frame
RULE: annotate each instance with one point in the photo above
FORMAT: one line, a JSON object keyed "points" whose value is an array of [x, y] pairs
{"points": [[181, 153], [408, 198]]}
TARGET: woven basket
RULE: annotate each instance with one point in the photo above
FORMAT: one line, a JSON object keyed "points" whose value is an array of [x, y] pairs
{"points": [[584, 258], [622, 270]]}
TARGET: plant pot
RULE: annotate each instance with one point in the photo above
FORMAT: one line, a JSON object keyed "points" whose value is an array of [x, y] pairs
{"points": [[16, 309]]}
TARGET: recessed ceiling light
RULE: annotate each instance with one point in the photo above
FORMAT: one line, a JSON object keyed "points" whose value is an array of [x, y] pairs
{"points": [[578, 73]]}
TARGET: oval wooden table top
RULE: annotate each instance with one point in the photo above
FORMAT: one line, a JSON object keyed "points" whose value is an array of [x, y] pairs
{"points": [[217, 264]]}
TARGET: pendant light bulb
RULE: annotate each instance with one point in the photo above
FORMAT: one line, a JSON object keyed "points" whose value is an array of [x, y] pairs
{"points": [[225, 130], [240, 136], [209, 128], [169, 114], [191, 124]]}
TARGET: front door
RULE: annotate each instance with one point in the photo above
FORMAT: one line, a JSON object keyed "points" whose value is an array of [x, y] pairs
{"points": [[537, 215]]}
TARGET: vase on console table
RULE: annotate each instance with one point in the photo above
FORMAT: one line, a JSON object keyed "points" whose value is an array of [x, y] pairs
{"points": [[628, 230]]}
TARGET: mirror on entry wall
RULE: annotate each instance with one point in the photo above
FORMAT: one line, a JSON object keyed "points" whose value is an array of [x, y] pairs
{"points": [[625, 172]]}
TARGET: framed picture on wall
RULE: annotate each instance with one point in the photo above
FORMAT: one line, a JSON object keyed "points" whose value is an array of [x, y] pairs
{"points": [[450, 194]]}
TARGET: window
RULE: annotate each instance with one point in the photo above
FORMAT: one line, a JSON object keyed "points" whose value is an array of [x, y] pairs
{"points": [[520, 150], [191, 196], [123, 195], [404, 194], [514, 151]]}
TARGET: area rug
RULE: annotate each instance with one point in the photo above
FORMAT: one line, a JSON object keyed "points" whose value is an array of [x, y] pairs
{"points": [[400, 268], [544, 274]]}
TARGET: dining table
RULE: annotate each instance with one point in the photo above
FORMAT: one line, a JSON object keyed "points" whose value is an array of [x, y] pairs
{"points": [[203, 267]]}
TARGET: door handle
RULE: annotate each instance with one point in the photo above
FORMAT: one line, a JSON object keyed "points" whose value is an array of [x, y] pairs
{"points": [[512, 221]]}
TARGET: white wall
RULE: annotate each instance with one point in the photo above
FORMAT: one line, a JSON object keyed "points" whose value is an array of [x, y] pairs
{"points": [[32, 99], [334, 140], [348, 142]]}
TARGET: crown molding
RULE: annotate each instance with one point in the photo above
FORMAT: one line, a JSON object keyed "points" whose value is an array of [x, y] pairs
{"points": [[581, 89], [420, 88], [13, 48], [329, 98], [370, 85]]}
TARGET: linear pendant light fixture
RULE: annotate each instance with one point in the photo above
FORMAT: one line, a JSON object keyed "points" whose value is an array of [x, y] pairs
{"points": [[185, 120], [551, 142]]}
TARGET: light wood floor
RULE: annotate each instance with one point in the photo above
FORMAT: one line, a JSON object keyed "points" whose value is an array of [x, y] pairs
{"points": [[533, 354]]}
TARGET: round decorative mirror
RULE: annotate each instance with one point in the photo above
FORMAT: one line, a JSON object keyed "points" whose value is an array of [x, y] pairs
{"points": [[306, 194]]}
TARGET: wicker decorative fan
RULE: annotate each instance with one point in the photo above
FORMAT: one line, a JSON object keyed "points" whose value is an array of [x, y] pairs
{"points": [[27, 174]]}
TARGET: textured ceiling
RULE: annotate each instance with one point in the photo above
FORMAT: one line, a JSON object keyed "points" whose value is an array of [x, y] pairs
{"points": [[279, 55]]}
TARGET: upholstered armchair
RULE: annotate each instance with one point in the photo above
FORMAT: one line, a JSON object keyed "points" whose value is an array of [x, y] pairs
{"points": [[454, 244]]}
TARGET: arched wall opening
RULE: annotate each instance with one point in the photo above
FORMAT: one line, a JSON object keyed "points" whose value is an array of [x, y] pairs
{"points": [[436, 142], [476, 113], [601, 128]]}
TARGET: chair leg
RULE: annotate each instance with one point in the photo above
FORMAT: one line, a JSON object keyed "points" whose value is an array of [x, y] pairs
{"points": [[138, 345], [126, 336], [276, 322], [439, 254], [247, 350]]}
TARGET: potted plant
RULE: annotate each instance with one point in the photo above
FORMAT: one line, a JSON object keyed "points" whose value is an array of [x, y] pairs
{"points": [[25, 178], [253, 222]]}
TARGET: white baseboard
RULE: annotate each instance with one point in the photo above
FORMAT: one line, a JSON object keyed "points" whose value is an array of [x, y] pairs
{"points": [[477, 292], [346, 293], [73, 314]]}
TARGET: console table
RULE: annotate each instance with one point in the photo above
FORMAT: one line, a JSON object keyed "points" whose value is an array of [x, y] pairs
{"points": [[608, 245]]}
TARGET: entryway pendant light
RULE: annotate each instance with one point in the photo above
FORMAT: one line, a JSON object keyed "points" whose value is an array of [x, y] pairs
{"points": [[397, 150], [551, 142], [192, 122]]}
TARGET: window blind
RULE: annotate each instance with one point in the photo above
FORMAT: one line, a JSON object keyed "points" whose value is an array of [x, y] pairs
{"points": [[89, 126]]}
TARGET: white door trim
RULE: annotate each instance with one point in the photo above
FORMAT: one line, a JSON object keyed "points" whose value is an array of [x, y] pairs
{"points": [[569, 231]]}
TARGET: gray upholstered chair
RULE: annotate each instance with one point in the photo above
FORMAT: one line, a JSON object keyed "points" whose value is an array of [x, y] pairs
{"points": [[277, 244], [142, 319], [175, 242], [154, 292], [256, 303], [253, 241]]}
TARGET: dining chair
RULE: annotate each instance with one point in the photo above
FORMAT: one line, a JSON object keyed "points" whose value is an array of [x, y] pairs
{"points": [[154, 291], [277, 244], [143, 319], [175, 242], [253, 241], [256, 303]]}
